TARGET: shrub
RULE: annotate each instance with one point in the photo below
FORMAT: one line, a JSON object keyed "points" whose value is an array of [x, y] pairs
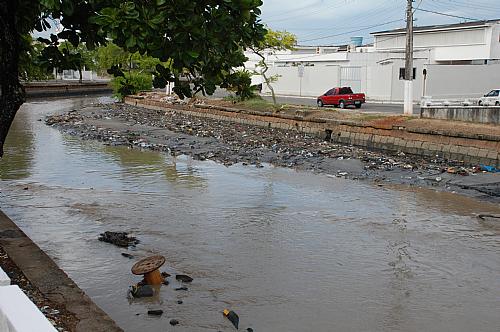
{"points": [[240, 83], [130, 84]]}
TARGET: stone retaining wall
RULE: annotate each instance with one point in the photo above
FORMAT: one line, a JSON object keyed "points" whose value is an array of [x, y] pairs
{"points": [[470, 148]]}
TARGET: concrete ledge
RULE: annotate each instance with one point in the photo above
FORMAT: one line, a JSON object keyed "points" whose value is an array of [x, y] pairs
{"points": [[50, 280], [476, 114], [38, 90], [19, 314], [4, 278]]}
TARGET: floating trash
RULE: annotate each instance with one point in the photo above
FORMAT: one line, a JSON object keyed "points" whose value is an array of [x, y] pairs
{"points": [[139, 291], [232, 316], [155, 312], [183, 278]]}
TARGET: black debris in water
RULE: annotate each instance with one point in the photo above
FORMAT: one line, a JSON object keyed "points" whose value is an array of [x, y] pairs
{"points": [[183, 278], [124, 254], [174, 322], [232, 316], [180, 302], [165, 275], [120, 239], [249, 329], [141, 291], [165, 282], [155, 312], [182, 288]]}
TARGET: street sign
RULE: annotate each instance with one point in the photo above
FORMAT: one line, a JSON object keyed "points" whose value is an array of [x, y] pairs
{"points": [[301, 70]]}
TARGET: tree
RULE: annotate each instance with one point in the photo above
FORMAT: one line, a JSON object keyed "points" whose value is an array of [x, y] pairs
{"points": [[201, 40], [30, 67], [272, 42]]}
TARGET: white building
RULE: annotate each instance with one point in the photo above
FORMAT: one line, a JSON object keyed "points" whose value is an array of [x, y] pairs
{"points": [[460, 60]]}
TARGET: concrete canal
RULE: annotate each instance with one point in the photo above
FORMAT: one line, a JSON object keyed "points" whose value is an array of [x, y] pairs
{"points": [[286, 250]]}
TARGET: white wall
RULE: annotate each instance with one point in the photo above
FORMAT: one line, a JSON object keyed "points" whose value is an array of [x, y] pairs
{"points": [[433, 39], [495, 42], [462, 81], [315, 81], [465, 52], [379, 82]]}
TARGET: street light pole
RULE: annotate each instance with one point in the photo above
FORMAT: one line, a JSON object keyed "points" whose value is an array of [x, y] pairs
{"points": [[408, 79]]}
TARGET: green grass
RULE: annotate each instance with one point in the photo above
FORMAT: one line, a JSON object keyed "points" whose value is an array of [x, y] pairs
{"points": [[258, 104], [371, 117]]}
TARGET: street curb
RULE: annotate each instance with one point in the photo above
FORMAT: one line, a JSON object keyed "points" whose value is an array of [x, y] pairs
{"points": [[53, 282]]}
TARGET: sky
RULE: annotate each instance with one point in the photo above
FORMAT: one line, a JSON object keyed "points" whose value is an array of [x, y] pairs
{"points": [[333, 22]]}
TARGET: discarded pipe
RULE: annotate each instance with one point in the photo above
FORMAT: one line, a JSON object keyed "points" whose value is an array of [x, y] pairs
{"points": [[149, 268], [232, 316]]}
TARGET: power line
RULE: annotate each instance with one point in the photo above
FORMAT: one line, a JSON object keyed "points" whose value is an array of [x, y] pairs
{"points": [[319, 10], [448, 15], [347, 32]]}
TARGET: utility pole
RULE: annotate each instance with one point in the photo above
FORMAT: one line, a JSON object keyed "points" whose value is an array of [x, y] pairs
{"points": [[408, 79]]}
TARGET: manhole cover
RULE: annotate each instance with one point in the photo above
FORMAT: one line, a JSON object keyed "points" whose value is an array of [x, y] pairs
{"points": [[148, 264]]}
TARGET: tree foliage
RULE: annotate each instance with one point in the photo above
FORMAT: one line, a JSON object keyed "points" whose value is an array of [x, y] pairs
{"points": [[30, 66], [201, 40], [240, 82], [272, 42]]}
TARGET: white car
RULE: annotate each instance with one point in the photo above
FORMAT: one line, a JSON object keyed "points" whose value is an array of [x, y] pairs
{"points": [[490, 99]]}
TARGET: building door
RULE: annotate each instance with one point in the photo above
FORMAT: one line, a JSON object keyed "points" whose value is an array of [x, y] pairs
{"points": [[351, 76]]}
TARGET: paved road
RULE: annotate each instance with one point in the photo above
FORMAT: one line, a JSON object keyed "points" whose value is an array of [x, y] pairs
{"points": [[368, 107]]}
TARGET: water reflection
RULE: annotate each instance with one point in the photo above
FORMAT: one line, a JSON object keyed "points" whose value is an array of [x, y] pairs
{"points": [[18, 154], [149, 164]]}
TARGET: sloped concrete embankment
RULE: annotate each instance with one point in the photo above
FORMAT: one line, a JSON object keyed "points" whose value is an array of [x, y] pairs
{"points": [[47, 277], [64, 89], [468, 147]]}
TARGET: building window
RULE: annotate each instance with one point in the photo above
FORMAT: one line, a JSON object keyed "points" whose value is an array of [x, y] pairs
{"points": [[402, 73]]}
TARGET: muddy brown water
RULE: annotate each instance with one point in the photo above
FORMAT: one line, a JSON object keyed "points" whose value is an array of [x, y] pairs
{"points": [[286, 250]]}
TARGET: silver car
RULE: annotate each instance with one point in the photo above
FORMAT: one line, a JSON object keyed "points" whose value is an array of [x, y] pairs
{"points": [[490, 99]]}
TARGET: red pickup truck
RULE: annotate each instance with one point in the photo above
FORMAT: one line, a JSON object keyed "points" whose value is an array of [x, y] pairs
{"points": [[341, 97]]}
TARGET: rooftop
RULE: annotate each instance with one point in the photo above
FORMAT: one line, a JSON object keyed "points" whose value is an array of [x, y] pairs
{"points": [[440, 27]]}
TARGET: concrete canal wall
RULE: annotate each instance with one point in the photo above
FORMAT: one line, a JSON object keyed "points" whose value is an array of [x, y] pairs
{"points": [[17, 313], [476, 114], [65, 88], [466, 147]]}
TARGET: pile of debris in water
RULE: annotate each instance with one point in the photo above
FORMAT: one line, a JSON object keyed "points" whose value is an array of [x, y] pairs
{"points": [[232, 143], [120, 239], [69, 117]]}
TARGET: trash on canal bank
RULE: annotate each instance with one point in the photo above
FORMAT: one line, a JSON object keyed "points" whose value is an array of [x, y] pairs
{"points": [[120, 239]]}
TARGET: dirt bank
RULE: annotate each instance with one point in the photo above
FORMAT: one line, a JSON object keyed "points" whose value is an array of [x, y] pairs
{"points": [[229, 143]]}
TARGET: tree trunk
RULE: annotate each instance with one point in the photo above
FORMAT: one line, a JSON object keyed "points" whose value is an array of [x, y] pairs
{"points": [[12, 93], [80, 73]]}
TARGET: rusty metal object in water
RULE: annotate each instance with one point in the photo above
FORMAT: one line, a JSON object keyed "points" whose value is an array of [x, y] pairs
{"points": [[149, 268]]}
